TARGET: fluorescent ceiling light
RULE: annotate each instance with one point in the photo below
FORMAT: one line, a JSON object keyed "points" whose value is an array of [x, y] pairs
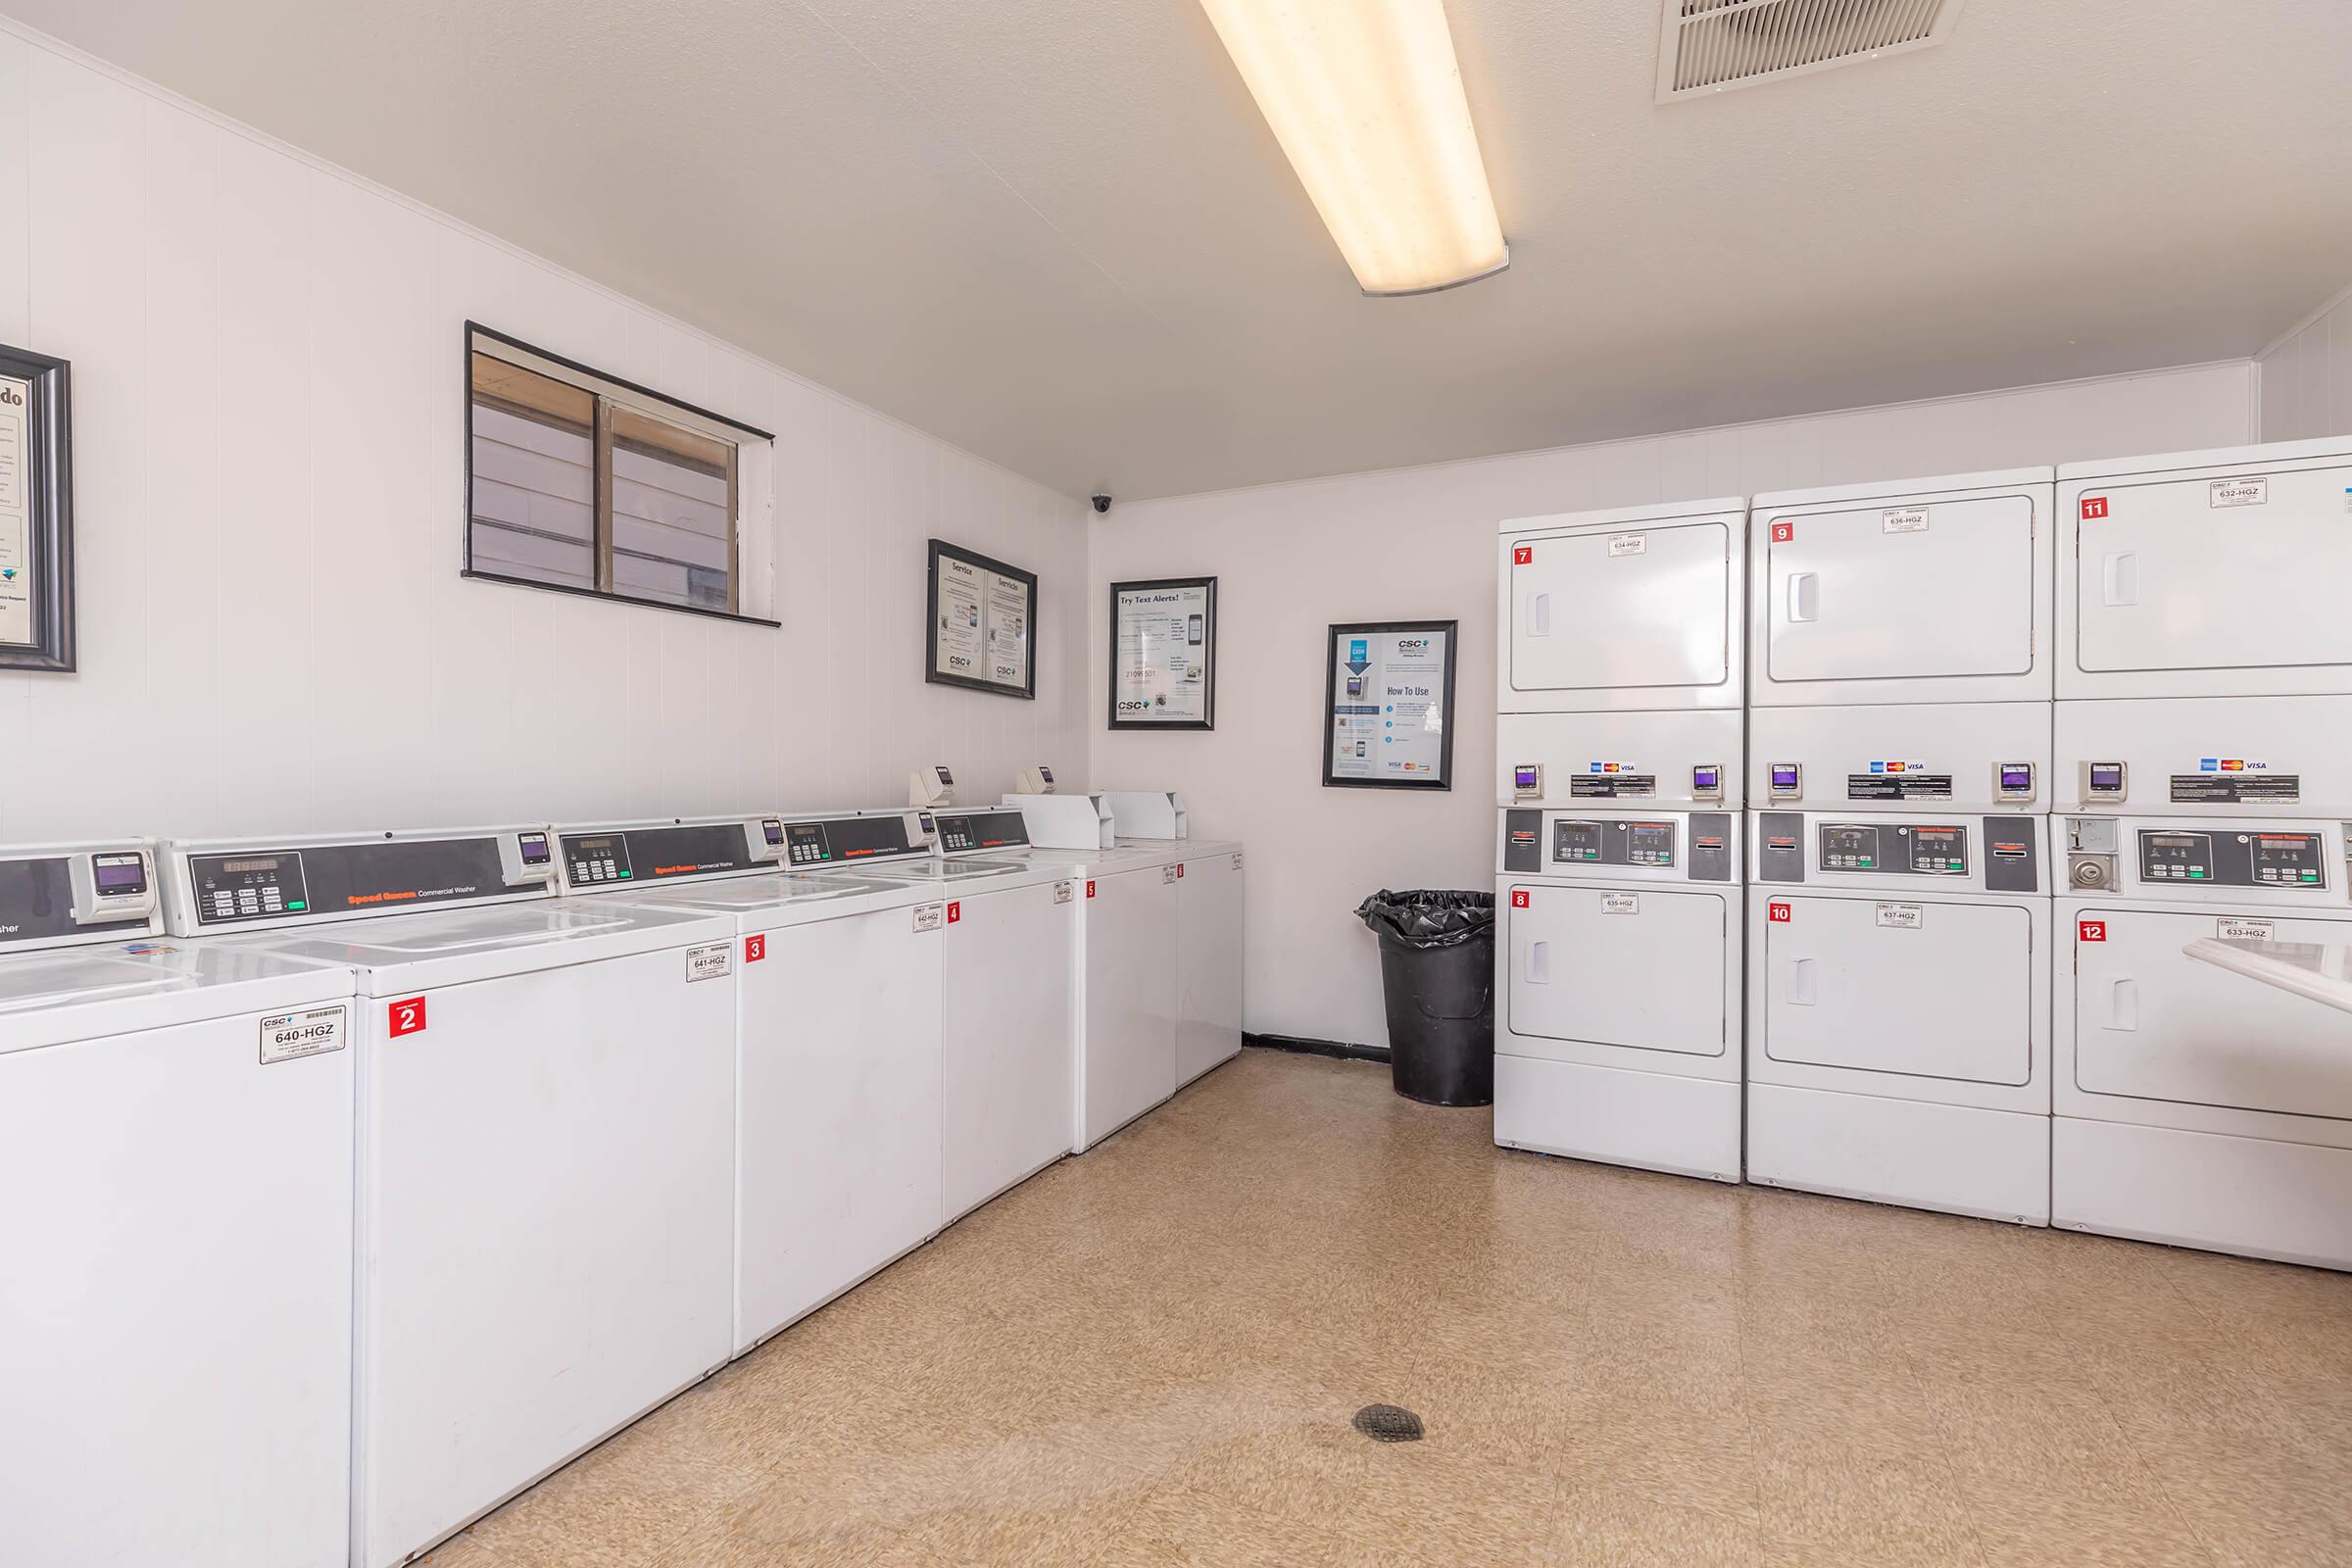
{"points": [[1366, 99]]}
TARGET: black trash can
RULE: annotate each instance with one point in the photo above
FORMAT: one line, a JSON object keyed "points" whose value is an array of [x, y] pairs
{"points": [[1437, 975]]}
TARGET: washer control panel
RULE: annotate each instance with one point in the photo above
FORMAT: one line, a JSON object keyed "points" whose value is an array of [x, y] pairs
{"points": [[230, 888], [2278, 858], [55, 895], [982, 830]]}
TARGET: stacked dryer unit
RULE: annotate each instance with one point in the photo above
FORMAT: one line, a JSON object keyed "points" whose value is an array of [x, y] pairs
{"points": [[2204, 750], [1900, 922], [1618, 885]]}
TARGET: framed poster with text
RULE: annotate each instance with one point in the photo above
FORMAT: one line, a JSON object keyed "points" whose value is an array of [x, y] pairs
{"points": [[982, 623], [36, 513], [1388, 705], [1163, 653]]}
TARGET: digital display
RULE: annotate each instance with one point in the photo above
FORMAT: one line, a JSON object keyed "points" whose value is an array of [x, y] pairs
{"points": [[774, 831], [1045, 773], [2017, 776], [945, 777], [120, 873], [1785, 775], [535, 848], [2107, 777], [1938, 839], [2178, 841], [1523, 778], [594, 846], [930, 824], [1704, 778], [808, 845], [2295, 842], [240, 867]]}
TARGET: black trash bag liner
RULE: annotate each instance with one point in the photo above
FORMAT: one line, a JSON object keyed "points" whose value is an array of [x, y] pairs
{"points": [[1428, 917]]}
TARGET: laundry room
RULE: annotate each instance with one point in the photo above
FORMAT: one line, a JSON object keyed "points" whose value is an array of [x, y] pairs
{"points": [[1289, 782]]}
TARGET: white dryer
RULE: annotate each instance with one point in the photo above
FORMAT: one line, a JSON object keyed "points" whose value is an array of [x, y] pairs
{"points": [[1630, 621], [838, 1113], [175, 1144], [1617, 987], [2194, 1105], [1898, 986], [545, 1178], [1922, 591]]}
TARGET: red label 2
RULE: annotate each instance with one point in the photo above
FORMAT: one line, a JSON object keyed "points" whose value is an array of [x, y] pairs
{"points": [[1778, 914], [405, 1017], [954, 911], [2091, 930], [754, 948], [1523, 555], [2093, 507], [1519, 899], [1783, 532]]}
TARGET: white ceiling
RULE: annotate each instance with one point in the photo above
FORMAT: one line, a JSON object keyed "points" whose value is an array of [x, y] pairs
{"points": [[1059, 234]]}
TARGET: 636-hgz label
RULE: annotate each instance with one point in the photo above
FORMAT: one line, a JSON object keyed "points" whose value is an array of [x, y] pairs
{"points": [[287, 1035]]}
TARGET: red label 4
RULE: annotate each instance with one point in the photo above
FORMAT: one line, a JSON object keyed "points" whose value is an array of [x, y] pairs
{"points": [[405, 1017], [1778, 914], [754, 948], [2091, 930], [2093, 507], [954, 911]]}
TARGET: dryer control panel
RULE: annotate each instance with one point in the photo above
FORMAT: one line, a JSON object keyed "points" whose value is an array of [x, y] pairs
{"points": [[2282, 859], [242, 884], [1986, 854], [1695, 846], [55, 895]]}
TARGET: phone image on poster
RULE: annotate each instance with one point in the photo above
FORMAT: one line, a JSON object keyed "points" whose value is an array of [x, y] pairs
{"points": [[1164, 637], [1388, 706]]}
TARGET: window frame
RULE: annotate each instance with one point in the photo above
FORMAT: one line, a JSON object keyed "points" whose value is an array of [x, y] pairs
{"points": [[610, 391]]}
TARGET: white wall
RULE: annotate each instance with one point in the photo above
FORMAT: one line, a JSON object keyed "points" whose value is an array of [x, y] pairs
{"points": [[269, 463], [2307, 378], [1418, 544]]}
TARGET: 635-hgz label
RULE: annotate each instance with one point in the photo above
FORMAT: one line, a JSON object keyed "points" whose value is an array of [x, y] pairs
{"points": [[288, 1036]]}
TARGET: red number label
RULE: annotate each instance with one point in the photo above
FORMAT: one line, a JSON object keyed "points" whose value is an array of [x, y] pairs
{"points": [[1523, 555], [2093, 507], [1518, 901], [754, 948], [406, 1018], [1778, 914], [954, 911], [1783, 532], [2091, 930], [1179, 870], [1090, 889]]}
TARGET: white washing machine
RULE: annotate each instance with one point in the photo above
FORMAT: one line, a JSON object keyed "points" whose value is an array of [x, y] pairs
{"points": [[1898, 991], [1125, 960], [175, 1144], [1630, 621], [1617, 987], [1922, 591], [1008, 989], [2196, 1106], [1209, 924], [838, 1112], [545, 1132]]}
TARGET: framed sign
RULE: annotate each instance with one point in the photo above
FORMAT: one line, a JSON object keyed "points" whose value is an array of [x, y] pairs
{"points": [[36, 513], [983, 622], [1163, 653], [1388, 705]]}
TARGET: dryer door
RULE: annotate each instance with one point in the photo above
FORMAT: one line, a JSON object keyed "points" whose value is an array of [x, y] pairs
{"points": [[1914, 987], [1636, 609], [1643, 969], [2152, 1023]]}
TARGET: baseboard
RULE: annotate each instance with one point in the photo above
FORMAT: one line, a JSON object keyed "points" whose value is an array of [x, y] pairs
{"points": [[1300, 1046]]}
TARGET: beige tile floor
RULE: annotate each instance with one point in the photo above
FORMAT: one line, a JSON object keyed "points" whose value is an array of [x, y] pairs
{"points": [[1149, 1355]]}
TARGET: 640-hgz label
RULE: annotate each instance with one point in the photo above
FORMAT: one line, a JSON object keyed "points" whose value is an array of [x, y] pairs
{"points": [[288, 1036]]}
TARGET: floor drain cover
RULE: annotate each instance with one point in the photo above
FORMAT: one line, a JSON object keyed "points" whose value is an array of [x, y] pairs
{"points": [[1385, 1423]]}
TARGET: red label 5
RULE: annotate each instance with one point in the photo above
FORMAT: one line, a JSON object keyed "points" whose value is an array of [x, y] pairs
{"points": [[954, 911], [405, 1017], [1783, 532], [1518, 899], [754, 948], [2091, 930], [2093, 507], [1179, 870], [1090, 889], [1778, 914], [1523, 555]]}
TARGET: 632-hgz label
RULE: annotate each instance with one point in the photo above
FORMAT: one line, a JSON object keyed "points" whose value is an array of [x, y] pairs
{"points": [[289, 1036]]}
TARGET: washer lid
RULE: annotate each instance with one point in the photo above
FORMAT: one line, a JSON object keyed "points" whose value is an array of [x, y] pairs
{"points": [[419, 952], [49, 998], [762, 902]]}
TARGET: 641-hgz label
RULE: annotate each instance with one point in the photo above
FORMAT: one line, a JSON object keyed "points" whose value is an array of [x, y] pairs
{"points": [[288, 1036]]}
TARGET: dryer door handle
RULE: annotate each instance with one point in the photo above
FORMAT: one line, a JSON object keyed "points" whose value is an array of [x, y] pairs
{"points": [[1801, 983], [2118, 578], [1804, 596], [1538, 963], [1539, 615], [2122, 1004]]}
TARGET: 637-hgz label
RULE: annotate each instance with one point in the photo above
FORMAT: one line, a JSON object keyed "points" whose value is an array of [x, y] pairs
{"points": [[287, 1035]]}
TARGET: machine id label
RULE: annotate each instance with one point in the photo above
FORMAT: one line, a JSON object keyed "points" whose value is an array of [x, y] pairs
{"points": [[2238, 492], [1783, 532], [1902, 916], [2090, 930], [405, 1017], [1621, 904], [1523, 555], [930, 917], [1179, 870], [1167, 876], [1063, 892], [1778, 914], [2246, 930], [1519, 899], [1237, 863], [1628, 544], [713, 960], [1903, 520], [754, 948], [2093, 507], [1090, 887], [291, 1035], [954, 911]]}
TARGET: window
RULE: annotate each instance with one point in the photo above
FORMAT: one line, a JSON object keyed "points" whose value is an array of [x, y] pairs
{"points": [[590, 484]]}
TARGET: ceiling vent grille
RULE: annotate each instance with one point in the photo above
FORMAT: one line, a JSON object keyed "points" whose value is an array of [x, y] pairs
{"points": [[1710, 45]]}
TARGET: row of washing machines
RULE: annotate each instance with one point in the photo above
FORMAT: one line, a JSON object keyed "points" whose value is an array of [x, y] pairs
{"points": [[1902, 841], [350, 1184]]}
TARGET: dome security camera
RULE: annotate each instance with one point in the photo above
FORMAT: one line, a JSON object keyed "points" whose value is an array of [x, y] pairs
{"points": [[1102, 502]]}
